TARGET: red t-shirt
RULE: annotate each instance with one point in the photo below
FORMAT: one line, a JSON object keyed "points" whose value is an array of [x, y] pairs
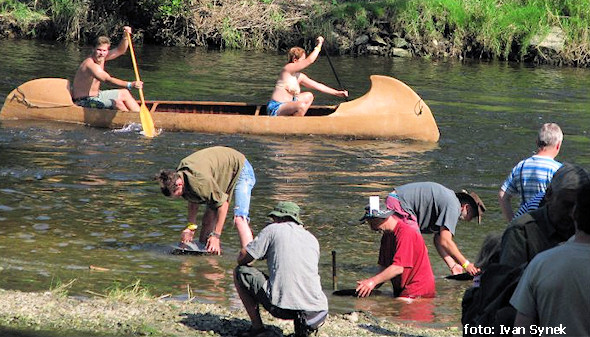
{"points": [[405, 247]]}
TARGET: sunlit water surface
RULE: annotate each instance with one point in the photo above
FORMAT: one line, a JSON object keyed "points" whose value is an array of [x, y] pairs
{"points": [[72, 197]]}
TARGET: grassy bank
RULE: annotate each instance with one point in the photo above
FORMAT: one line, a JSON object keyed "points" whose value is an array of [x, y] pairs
{"points": [[130, 311], [487, 29]]}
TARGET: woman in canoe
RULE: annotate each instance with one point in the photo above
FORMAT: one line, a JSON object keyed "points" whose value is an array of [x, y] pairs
{"points": [[287, 98]]}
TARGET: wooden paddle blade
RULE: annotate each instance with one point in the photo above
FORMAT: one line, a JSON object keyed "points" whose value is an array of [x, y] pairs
{"points": [[147, 123]]}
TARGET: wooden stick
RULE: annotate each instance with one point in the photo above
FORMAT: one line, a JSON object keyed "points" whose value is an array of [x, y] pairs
{"points": [[334, 274]]}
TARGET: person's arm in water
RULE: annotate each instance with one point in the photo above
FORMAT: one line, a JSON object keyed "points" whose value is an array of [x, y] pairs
{"points": [[364, 287], [214, 238], [188, 234], [446, 246]]}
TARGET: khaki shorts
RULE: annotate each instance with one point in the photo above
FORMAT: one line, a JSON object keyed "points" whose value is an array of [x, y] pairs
{"points": [[105, 100], [253, 280]]}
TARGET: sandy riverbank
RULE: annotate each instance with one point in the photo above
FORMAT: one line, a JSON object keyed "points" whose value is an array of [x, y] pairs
{"points": [[52, 314]]}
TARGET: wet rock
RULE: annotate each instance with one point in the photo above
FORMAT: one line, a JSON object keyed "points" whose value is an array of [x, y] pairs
{"points": [[399, 52], [554, 40], [378, 40], [363, 39], [398, 42], [374, 50]]}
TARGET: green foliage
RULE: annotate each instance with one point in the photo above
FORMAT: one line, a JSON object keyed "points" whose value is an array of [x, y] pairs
{"points": [[231, 36], [496, 26], [360, 14], [165, 8], [171, 7], [20, 11], [68, 16]]}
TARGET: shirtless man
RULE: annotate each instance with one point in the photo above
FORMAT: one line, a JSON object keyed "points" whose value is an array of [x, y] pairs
{"points": [[91, 73], [287, 98]]}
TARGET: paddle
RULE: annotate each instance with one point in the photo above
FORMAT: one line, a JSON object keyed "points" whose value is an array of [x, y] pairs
{"points": [[352, 292], [460, 277], [334, 71], [144, 114]]}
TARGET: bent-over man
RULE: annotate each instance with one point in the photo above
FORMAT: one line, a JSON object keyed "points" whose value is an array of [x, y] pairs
{"points": [[436, 209], [86, 88], [211, 176]]}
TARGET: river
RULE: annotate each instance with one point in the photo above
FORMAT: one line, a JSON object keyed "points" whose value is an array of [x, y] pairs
{"points": [[73, 196]]}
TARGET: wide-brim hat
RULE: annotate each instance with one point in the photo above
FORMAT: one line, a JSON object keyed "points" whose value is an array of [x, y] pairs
{"points": [[287, 209], [474, 200]]}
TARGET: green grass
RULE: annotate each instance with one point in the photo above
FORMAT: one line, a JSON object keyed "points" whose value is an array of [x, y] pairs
{"points": [[129, 293], [499, 27], [20, 11], [493, 29]]}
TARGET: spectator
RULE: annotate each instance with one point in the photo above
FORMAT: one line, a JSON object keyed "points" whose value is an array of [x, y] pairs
{"points": [[553, 292], [532, 175]]}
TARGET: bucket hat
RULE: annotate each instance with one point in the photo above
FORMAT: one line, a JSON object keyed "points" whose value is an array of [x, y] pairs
{"points": [[287, 209]]}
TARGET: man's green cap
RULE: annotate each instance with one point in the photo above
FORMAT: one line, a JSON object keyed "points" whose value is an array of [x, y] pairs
{"points": [[287, 209]]}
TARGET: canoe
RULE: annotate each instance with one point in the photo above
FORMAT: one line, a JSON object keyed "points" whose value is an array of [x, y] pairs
{"points": [[389, 110]]}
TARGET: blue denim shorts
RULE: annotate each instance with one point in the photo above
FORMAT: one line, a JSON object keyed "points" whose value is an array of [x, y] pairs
{"points": [[243, 191], [272, 107]]}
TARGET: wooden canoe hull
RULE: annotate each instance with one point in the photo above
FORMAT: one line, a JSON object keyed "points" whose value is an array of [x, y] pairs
{"points": [[390, 110]]}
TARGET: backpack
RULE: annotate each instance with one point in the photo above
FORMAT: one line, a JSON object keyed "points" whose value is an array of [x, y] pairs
{"points": [[488, 306]]}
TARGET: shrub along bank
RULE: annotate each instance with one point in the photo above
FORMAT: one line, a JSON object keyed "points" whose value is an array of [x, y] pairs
{"points": [[542, 31]]}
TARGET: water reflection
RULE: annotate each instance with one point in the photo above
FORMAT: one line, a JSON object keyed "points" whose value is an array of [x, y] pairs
{"points": [[418, 310]]}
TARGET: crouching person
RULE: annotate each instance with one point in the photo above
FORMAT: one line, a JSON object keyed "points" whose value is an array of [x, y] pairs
{"points": [[293, 289]]}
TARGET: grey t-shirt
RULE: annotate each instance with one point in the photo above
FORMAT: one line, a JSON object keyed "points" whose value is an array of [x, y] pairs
{"points": [[554, 288], [292, 255], [433, 205]]}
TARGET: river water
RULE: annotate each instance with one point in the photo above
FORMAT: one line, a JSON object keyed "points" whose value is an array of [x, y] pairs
{"points": [[73, 196]]}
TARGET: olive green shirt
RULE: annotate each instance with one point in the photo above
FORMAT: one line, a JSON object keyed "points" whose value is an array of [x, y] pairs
{"points": [[210, 175]]}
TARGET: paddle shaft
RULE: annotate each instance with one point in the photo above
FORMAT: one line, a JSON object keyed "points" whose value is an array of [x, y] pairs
{"points": [[334, 71], [147, 123], [135, 67]]}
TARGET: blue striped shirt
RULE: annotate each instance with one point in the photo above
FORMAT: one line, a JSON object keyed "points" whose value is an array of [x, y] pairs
{"points": [[530, 205], [530, 176]]}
